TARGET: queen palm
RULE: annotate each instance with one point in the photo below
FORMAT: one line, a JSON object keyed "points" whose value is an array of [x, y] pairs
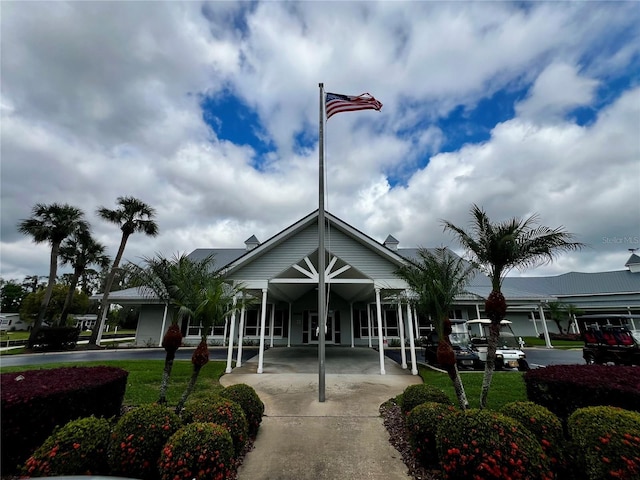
{"points": [[437, 278], [132, 216], [80, 250], [497, 248], [52, 224], [177, 282]]}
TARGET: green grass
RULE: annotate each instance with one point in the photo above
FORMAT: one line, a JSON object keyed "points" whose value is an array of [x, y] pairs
{"points": [[143, 383], [561, 344], [506, 387]]}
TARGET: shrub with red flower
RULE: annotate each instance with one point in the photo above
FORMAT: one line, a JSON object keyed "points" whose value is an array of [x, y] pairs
{"points": [[246, 396], [198, 450], [221, 411], [78, 448], [422, 423], [138, 438], [418, 394], [606, 441], [479, 444]]}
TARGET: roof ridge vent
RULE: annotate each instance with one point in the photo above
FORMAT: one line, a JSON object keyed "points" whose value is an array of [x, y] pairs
{"points": [[391, 243]]}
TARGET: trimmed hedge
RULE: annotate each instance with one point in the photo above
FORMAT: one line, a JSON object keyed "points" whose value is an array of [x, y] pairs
{"points": [[422, 424], [480, 444], [138, 438], [78, 448], [198, 450], [221, 411], [607, 442], [565, 388], [34, 402], [245, 396], [418, 394]]}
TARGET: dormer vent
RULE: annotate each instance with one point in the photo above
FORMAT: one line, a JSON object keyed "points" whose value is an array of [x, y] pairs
{"points": [[251, 242], [391, 243]]}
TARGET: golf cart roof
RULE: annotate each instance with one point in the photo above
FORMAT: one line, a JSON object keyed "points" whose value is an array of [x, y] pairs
{"points": [[486, 321]]}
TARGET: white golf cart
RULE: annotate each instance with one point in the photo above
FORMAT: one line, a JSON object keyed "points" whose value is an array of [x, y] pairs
{"points": [[509, 352]]}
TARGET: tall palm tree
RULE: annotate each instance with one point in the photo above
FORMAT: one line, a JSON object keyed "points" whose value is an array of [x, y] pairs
{"points": [[52, 224], [177, 282], [214, 303], [437, 278], [132, 216], [80, 250], [497, 248]]}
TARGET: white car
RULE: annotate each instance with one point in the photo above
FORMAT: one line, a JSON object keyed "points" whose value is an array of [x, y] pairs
{"points": [[508, 352]]}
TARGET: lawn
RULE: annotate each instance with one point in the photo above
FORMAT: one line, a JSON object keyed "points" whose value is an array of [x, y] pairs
{"points": [[506, 387], [143, 384], [539, 342]]}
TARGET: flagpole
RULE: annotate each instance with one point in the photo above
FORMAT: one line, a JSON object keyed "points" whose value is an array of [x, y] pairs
{"points": [[321, 253]]}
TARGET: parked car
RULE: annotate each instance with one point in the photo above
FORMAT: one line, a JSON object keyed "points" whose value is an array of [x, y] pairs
{"points": [[466, 357], [509, 353], [610, 339]]}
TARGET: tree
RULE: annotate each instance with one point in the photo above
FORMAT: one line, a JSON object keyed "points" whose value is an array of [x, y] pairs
{"points": [[176, 281], [560, 311], [31, 304], [52, 224], [12, 294], [497, 248], [437, 278], [132, 216], [80, 250]]}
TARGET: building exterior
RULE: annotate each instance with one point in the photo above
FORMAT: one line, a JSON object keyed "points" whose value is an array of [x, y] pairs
{"points": [[366, 300]]}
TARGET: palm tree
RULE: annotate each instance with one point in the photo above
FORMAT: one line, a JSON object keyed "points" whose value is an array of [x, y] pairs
{"points": [[497, 248], [175, 281], [437, 279], [215, 302], [132, 216], [80, 250], [51, 223]]}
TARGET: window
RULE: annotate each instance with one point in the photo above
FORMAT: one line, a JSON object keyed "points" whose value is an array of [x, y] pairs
{"points": [[251, 323], [390, 321], [253, 317]]}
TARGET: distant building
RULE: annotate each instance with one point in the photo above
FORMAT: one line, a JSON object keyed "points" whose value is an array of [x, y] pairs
{"points": [[364, 294]]}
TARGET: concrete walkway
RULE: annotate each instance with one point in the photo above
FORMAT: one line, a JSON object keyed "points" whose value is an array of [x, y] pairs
{"points": [[343, 437]]}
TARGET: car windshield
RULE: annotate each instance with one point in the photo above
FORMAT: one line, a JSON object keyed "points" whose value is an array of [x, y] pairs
{"points": [[507, 340], [459, 335]]}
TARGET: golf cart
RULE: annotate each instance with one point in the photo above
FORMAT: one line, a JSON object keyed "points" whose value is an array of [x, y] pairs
{"points": [[508, 351], [610, 339], [466, 357]]}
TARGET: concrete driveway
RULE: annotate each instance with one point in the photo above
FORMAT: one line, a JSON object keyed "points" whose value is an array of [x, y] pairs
{"points": [[342, 437]]}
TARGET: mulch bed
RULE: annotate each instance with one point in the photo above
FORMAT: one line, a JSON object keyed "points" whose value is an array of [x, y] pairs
{"points": [[399, 438]]}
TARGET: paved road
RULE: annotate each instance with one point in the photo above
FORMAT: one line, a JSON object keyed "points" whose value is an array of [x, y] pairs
{"points": [[184, 353], [542, 357]]}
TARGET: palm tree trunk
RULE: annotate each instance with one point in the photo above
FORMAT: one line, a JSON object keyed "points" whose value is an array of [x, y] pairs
{"points": [[166, 374], [189, 389], [104, 307], [490, 365], [67, 301], [454, 375], [53, 270]]}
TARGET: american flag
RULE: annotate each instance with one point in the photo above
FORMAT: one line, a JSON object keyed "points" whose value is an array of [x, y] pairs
{"points": [[336, 103]]}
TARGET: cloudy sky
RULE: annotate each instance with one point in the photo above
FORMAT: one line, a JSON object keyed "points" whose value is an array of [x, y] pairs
{"points": [[209, 112]]}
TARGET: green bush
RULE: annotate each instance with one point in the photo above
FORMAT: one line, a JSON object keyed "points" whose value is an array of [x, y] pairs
{"points": [[198, 450], [607, 442], [221, 411], [245, 396], [422, 423], [415, 395], [138, 438], [544, 425], [483, 444], [78, 448]]}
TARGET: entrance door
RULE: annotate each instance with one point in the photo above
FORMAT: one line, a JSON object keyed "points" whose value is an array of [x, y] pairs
{"points": [[313, 329]]}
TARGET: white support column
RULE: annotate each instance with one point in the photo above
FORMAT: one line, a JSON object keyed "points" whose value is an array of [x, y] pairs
{"points": [[477, 311], [224, 333], [289, 329], [351, 323], [369, 323], [547, 340], [380, 336], [403, 354], [263, 321], [271, 322], [535, 325], [240, 335], [164, 322], [412, 343], [231, 334]]}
